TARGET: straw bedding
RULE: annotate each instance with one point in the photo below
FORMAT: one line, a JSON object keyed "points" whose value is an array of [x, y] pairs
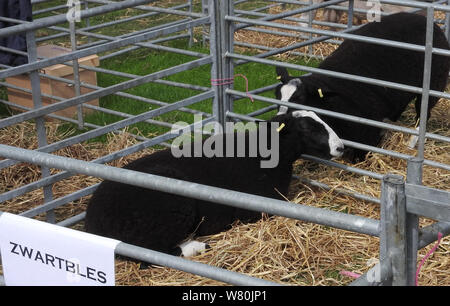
{"points": [[277, 249]]}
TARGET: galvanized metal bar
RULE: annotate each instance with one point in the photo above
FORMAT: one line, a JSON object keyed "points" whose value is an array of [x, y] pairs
{"points": [[429, 234], [128, 19], [134, 76], [104, 159], [76, 74], [426, 83], [265, 48], [227, 46], [363, 172], [87, 20], [75, 139], [52, 20], [40, 121], [428, 202], [50, 9], [413, 176], [350, 14], [104, 47], [310, 25], [355, 195], [393, 227], [198, 191], [186, 265], [97, 108], [126, 50], [125, 122], [447, 22], [102, 92], [150, 45], [417, 4], [72, 220], [287, 14], [217, 69], [340, 75], [49, 206], [327, 33], [315, 22], [155, 9], [351, 118], [110, 23]]}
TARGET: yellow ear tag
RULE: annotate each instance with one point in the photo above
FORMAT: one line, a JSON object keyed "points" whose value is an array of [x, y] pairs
{"points": [[279, 77], [320, 92], [280, 127]]}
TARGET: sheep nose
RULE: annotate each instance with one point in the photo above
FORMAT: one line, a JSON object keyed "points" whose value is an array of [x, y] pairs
{"points": [[340, 149]]}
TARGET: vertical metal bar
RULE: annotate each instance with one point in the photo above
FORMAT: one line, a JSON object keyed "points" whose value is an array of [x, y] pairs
{"points": [[40, 121], [447, 22], [350, 14], [88, 21], [228, 46], [413, 176], [205, 6], [393, 228], [310, 22], [221, 42], [216, 66], [76, 74], [426, 82]]}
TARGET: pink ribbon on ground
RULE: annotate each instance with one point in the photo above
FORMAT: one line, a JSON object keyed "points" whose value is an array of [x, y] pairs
{"points": [[350, 274], [426, 257]]}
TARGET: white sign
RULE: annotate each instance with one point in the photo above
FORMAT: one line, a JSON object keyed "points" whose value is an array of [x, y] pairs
{"points": [[36, 253]]}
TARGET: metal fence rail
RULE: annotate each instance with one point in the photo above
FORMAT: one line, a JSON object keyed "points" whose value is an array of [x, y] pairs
{"points": [[401, 203]]}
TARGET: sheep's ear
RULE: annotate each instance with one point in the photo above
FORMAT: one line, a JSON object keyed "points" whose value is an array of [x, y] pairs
{"points": [[282, 74]]}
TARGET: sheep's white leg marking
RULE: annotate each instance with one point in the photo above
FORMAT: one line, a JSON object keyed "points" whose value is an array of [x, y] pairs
{"points": [[334, 141], [413, 140], [191, 248], [286, 93]]}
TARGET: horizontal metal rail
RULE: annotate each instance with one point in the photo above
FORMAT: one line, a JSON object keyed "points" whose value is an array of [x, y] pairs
{"points": [[104, 47], [198, 191], [53, 20], [366, 39], [119, 124], [102, 92], [101, 160], [193, 267], [351, 118], [428, 202]]}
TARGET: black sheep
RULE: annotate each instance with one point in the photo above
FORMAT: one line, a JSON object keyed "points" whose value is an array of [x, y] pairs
{"points": [[374, 61], [163, 221]]}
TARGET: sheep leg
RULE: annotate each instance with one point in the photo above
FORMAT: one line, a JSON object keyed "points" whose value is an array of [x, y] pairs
{"points": [[192, 248], [431, 103]]}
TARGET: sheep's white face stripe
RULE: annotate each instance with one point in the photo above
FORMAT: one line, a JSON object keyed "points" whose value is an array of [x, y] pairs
{"points": [[283, 110], [286, 93], [334, 141]]}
